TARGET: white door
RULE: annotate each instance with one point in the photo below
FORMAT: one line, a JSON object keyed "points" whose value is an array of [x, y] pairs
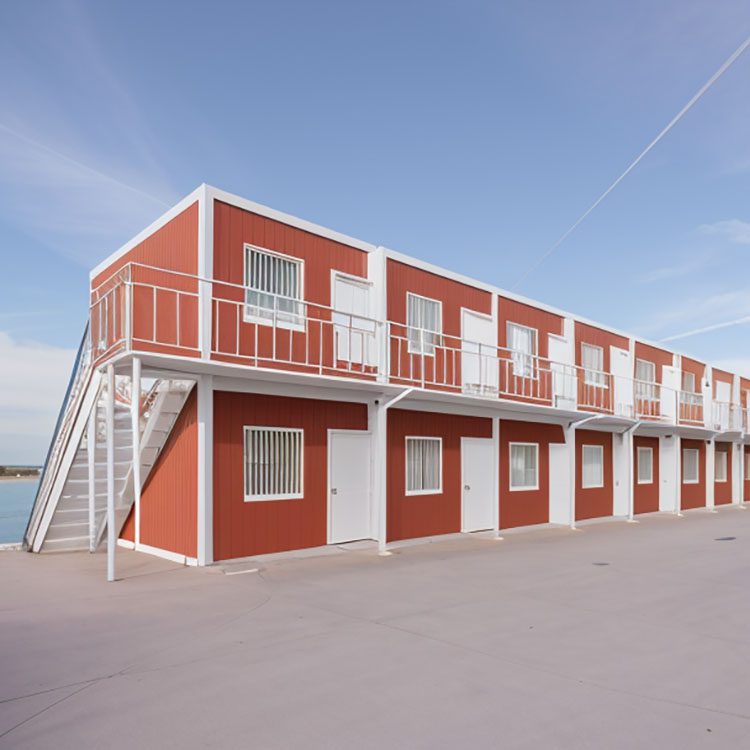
{"points": [[670, 379], [477, 471], [721, 405], [348, 486], [354, 331], [479, 366], [621, 367], [564, 381]]}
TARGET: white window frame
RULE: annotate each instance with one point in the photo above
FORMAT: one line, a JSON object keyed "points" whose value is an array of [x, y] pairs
{"points": [[600, 451], [596, 378], [427, 348], [249, 497], [524, 364], [642, 451], [265, 316], [685, 374], [646, 388], [697, 466], [725, 464], [439, 440], [522, 488]]}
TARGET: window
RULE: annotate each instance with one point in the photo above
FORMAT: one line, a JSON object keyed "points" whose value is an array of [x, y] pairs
{"points": [[720, 466], [592, 358], [688, 382], [593, 466], [524, 466], [522, 343], [690, 473], [747, 464], [424, 472], [645, 465], [274, 287], [273, 463], [424, 323], [645, 377]]}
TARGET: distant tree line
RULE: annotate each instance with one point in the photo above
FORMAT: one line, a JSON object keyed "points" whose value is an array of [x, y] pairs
{"points": [[19, 471]]}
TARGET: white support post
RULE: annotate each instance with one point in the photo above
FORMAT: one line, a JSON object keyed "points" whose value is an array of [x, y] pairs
{"points": [[205, 469], [496, 474], [710, 469], [380, 442], [741, 472], [135, 425], [678, 466], [91, 456], [631, 472], [570, 440], [111, 541]]}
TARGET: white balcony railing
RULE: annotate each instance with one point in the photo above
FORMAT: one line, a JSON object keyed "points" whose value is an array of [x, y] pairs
{"points": [[142, 308]]}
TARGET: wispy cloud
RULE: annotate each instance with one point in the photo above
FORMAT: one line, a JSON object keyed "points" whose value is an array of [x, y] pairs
{"points": [[734, 230], [32, 383], [683, 268]]}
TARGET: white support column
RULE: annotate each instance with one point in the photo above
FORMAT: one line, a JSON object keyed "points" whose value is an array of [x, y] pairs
{"points": [[380, 494], [111, 541], [91, 456], [678, 467], [205, 270], [710, 470], [135, 426], [570, 441], [205, 469], [741, 494], [631, 472], [496, 473]]}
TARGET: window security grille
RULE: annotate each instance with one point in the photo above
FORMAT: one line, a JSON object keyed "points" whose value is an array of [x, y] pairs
{"points": [[593, 466], [522, 343], [274, 284], [645, 465], [423, 322], [524, 466], [423, 465], [273, 463]]}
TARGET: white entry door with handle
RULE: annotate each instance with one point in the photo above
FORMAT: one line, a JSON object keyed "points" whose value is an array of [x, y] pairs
{"points": [[478, 465], [348, 486]]}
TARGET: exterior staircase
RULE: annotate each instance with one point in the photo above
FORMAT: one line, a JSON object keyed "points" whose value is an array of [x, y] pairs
{"points": [[61, 519]]}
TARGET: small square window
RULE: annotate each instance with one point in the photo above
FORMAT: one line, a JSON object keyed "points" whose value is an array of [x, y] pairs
{"points": [[645, 458], [273, 463], [592, 358], [524, 466], [424, 324], [720, 466], [424, 471], [690, 470], [274, 288]]}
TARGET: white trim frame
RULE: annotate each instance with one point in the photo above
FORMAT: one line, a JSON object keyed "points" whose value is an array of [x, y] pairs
{"points": [[533, 356], [697, 465], [586, 371], [438, 334], [274, 320], [640, 450], [600, 451], [301, 472], [726, 466], [407, 491], [529, 488]]}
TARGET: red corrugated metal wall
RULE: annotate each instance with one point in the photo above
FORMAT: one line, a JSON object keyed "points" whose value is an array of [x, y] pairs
{"points": [[169, 499], [694, 495], [414, 516], [594, 502], [723, 490], [443, 370], [646, 496], [253, 528], [155, 311], [235, 339], [526, 507]]}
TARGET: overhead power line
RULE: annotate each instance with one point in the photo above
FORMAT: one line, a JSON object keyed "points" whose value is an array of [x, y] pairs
{"points": [[707, 329], [703, 89]]}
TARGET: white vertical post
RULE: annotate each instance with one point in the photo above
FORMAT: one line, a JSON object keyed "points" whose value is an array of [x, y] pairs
{"points": [[678, 466], [91, 455], [631, 473], [205, 409], [710, 469], [570, 439], [496, 473], [380, 442], [741, 448], [111, 472], [135, 426]]}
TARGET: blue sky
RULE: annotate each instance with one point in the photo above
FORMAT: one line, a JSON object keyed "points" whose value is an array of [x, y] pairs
{"points": [[471, 134]]}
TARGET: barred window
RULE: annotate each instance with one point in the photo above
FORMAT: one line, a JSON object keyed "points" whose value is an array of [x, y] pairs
{"points": [[424, 473], [273, 463], [645, 457], [593, 466], [423, 322], [524, 466], [274, 286], [690, 470]]}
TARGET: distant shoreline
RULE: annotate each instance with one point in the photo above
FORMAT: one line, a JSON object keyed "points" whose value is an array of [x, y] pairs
{"points": [[20, 479]]}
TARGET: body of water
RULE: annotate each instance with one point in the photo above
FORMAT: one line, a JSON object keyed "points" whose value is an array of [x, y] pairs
{"points": [[16, 499]]}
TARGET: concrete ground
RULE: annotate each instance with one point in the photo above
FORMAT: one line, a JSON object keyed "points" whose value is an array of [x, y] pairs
{"points": [[616, 636]]}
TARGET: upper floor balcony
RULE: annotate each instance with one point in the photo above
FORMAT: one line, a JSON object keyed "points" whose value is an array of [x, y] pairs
{"points": [[150, 310]]}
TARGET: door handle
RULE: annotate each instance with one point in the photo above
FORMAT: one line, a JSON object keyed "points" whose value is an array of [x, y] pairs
{"points": [[334, 491], [467, 487]]}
